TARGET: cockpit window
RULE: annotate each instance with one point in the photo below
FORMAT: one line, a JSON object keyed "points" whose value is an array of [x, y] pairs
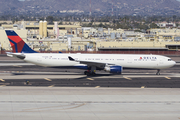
{"points": [[169, 59]]}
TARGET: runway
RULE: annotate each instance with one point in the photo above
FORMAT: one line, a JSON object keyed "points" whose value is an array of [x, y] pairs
{"points": [[40, 103], [38, 93]]}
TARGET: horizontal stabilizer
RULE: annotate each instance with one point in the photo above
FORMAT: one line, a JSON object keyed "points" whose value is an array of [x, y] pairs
{"points": [[17, 55]]}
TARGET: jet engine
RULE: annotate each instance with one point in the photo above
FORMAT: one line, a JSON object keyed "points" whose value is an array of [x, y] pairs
{"points": [[114, 69]]}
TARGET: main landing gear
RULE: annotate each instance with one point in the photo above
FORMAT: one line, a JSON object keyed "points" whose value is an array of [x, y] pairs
{"points": [[91, 72], [158, 72]]}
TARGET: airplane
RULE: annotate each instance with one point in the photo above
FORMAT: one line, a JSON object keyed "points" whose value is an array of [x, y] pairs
{"points": [[113, 63]]}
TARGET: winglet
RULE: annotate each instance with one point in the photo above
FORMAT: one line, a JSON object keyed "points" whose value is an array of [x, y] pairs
{"points": [[71, 59]]}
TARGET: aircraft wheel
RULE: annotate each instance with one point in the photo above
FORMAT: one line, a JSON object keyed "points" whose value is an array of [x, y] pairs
{"points": [[88, 74], [85, 72], [158, 74], [93, 73]]}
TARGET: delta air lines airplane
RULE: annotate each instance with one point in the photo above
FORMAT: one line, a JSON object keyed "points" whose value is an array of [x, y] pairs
{"points": [[113, 63]]}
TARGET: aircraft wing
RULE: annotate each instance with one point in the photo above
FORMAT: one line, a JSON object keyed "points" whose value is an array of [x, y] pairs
{"points": [[90, 63]]}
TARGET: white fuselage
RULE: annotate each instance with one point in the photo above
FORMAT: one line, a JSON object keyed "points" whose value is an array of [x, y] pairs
{"points": [[125, 60]]}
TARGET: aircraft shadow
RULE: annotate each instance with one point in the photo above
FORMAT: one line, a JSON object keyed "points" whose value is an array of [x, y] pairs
{"points": [[97, 75], [42, 74], [85, 76]]}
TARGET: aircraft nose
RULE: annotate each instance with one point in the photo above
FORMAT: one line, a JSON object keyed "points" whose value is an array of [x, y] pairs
{"points": [[174, 63]]}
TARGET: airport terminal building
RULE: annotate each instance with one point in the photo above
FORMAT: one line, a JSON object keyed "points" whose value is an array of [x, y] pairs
{"points": [[53, 38]]}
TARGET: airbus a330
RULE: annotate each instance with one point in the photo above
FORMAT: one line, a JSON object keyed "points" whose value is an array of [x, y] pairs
{"points": [[113, 63]]}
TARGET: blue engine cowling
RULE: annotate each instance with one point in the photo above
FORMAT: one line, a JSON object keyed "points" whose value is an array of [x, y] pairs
{"points": [[114, 69]]}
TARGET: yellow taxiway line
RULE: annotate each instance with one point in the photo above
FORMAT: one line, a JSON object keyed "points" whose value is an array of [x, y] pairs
{"points": [[143, 87], [168, 78], [97, 87], [47, 79], [51, 86], [90, 79], [127, 78], [2, 80]]}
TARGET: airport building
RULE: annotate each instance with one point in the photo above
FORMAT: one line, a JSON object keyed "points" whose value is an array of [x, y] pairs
{"points": [[43, 37]]}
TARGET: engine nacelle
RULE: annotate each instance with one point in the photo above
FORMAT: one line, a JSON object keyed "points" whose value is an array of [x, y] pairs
{"points": [[114, 69]]}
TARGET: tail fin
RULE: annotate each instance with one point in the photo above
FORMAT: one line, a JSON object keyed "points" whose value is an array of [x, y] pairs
{"points": [[17, 44]]}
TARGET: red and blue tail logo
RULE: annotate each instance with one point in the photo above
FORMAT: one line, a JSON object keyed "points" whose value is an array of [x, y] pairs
{"points": [[17, 44]]}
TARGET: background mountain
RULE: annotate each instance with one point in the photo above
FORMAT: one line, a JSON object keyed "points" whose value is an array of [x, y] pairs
{"points": [[121, 7]]}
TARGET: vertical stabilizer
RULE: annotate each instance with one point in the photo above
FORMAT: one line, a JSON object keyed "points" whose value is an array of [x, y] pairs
{"points": [[17, 44]]}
